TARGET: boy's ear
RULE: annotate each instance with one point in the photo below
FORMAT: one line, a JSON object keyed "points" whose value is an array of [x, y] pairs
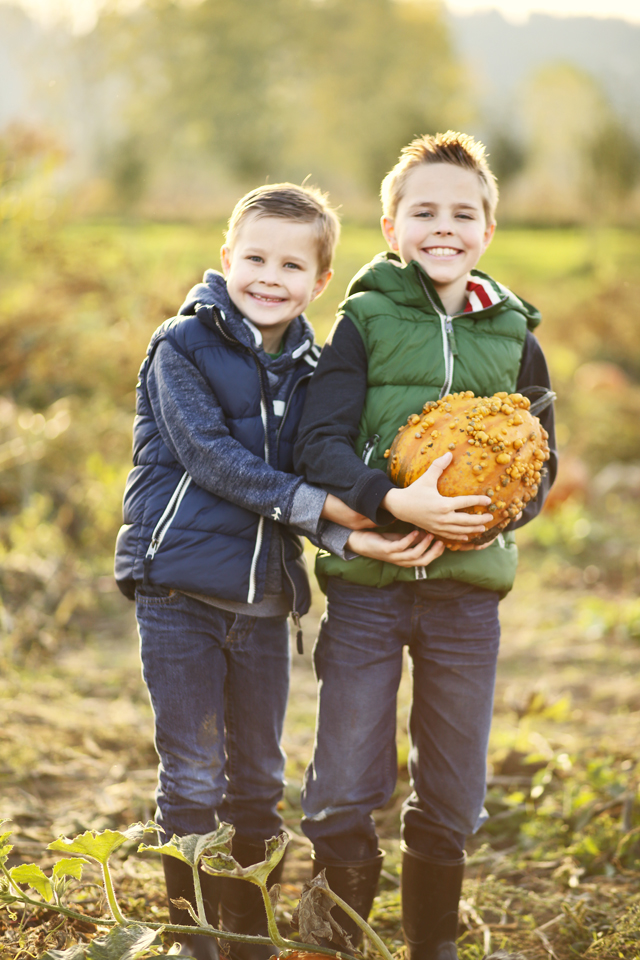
{"points": [[389, 231], [321, 284], [225, 259], [488, 235]]}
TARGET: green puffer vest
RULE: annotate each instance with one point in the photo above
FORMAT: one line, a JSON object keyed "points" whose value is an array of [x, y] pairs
{"points": [[417, 353]]}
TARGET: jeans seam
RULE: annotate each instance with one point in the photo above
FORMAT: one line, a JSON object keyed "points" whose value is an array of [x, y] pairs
{"points": [[229, 739], [173, 597]]}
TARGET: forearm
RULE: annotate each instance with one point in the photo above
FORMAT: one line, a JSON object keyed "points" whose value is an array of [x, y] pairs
{"points": [[328, 431], [192, 425], [533, 374]]}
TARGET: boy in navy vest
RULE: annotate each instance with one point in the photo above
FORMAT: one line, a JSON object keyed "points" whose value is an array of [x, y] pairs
{"points": [[209, 546], [418, 323]]}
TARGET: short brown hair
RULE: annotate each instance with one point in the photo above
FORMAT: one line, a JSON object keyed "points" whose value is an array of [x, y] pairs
{"points": [[458, 149], [286, 200]]}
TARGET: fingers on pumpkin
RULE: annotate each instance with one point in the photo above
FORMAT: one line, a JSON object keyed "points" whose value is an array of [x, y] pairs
{"points": [[489, 445]]}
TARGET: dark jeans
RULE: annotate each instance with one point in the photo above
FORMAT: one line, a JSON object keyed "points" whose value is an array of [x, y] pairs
{"points": [[218, 684], [453, 645]]}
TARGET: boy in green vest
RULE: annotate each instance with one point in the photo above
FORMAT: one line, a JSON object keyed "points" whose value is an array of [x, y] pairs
{"points": [[419, 322]]}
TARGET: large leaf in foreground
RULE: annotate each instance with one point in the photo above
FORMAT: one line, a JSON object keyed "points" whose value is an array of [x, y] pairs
{"points": [[312, 917], [100, 845], [257, 872], [69, 867], [32, 874], [191, 848], [76, 952], [5, 848], [121, 943]]}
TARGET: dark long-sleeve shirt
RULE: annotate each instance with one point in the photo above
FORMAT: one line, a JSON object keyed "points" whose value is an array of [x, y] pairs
{"points": [[325, 454]]}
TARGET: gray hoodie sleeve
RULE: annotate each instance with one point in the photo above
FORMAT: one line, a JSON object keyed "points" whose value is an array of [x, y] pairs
{"points": [[193, 427]]}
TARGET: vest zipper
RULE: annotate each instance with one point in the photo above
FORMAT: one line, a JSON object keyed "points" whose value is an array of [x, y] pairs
{"points": [[449, 345], [295, 616], [165, 521], [306, 376], [260, 532], [218, 320], [369, 447]]}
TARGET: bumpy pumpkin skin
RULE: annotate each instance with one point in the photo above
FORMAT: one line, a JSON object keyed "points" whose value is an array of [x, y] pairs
{"points": [[499, 449]]}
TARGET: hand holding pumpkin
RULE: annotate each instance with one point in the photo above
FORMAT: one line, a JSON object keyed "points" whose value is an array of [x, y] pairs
{"points": [[415, 549], [494, 445], [421, 503]]}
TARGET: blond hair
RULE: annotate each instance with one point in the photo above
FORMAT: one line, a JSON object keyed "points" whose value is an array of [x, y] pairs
{"points": [[458, 149], [290, 202]]}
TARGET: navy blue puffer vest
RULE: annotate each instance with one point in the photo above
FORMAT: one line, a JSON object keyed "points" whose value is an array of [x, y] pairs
{"points": [[175, 533]]}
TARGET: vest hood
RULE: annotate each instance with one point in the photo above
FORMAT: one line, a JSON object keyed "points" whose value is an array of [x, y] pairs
{"points": [[405, 285], [212, 292]]}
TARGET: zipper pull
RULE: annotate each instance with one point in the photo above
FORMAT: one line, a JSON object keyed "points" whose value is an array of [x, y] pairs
{"points": [[153, 549], [295, 616], [451, 337], [369, 447]]}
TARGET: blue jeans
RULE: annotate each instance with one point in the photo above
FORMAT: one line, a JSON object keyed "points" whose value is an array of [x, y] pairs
{"points": [[218, 684], [453, 646]]}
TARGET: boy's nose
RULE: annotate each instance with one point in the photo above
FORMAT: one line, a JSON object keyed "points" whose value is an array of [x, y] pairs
{"points": [[270, 278]]}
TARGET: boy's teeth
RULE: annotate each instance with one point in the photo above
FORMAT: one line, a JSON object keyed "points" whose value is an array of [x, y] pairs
{"points": [[442, 251]]}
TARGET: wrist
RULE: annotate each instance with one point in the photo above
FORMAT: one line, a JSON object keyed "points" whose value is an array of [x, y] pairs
{"points": [[326, 507], [392, 502]]}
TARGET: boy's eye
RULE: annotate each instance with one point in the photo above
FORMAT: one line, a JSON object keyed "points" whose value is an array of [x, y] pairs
{"points": [[424, 214], [293, 266], [254, 258]]}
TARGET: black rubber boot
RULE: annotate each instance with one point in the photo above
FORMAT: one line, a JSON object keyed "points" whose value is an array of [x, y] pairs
{"points": [[430, 896], [241, 904], [179, 880], [357, 883]]}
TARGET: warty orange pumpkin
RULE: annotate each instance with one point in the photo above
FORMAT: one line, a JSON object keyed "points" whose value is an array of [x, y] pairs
{"points": [[499, 449]]}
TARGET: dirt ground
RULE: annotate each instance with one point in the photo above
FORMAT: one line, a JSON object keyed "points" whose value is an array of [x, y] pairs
{"points": [[77, 754]]}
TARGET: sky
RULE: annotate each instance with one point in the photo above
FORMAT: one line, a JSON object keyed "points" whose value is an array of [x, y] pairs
{"points": [[518, 10], [83, 12]]}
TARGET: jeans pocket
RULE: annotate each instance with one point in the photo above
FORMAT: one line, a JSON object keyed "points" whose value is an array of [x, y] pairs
{"points": [[152, 594]]}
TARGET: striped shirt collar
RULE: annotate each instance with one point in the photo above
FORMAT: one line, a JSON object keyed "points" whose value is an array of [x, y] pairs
{"points": [[480, 295]]}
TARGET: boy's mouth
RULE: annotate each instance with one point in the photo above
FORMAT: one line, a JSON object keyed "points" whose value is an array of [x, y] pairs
{"points": [[264, 299], [442, 251]]}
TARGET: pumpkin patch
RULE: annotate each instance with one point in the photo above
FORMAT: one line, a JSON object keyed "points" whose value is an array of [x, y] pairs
{"points": [[498, 449]]}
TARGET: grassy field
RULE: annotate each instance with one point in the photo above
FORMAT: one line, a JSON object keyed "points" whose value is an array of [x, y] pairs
{"points": [[554, 873]]}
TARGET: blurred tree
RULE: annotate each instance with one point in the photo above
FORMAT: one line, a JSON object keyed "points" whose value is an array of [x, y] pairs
{"points": [[615, 158], [507, 155], [581, 160], [128, 168], [284, 88]]}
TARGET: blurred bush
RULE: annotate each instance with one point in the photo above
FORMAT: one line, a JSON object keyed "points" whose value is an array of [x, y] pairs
{"points": [[79, 300]]}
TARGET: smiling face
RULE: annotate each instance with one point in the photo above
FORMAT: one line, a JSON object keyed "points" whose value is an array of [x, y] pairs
{"points": [[272, 273], [440, 223]]}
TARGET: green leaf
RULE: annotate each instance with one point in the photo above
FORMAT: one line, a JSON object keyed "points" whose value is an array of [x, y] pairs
{"points": [[69, 867], [257, 872], [122, 943], [5, 848], [99, 845], [190, 849], [137, 830], [76, 952], [32, 874]]}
